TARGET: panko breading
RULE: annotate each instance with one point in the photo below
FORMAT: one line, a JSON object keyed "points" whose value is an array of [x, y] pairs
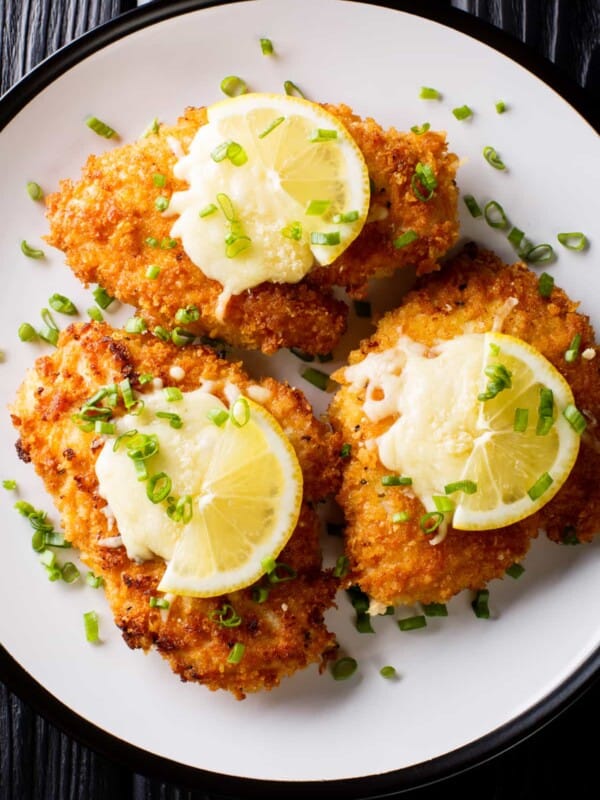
{"points": [[395, 563], [283, 634], [103, 224]]}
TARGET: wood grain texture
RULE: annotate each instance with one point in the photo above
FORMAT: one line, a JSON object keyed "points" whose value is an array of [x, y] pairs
{"points": [[37, 761]]}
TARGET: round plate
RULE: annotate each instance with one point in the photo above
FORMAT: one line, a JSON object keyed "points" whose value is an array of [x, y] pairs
{"points": [[467, 688]]}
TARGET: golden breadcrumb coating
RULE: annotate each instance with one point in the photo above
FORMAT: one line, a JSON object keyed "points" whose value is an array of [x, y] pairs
{"points": [[396, 563], [281, 635], [104, 221]]}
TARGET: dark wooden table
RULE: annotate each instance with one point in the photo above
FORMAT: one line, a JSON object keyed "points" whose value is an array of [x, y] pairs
{"points": [[39, 761]]}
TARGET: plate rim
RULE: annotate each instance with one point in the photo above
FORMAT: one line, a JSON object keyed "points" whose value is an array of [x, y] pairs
{"points": [[475, 753]]}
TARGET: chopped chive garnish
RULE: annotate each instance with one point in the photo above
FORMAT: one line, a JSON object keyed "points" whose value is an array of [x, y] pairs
{"points": [[500, 107], [153, 127], [292, 89], [236, 654], [167, 243], [271, 127], [515, 237], [233, 86], [362, 308], [405, 239], [188, 314], [572, 353], [545, 284], [540, 486], [346, 450], [500, 379], [102, 298], [103, 427], [539, 254], [292, 231], [572, 241], [423, 179], [180, 337], [344, 668], [260, 594], [69, 572], [341, 567], [146, 377], [95, 581], [62, 304], [161, 203], [162, 333], [34, 190], [400, 516], [152, 272], [492, 157], [348, 216], [472, 205], [99, 127], [159, 180], [232, 151], [158, 487], [480, 604], [26, 332], [240, 412], [362, 623], [428, 93], [136, 325], [158, 602], [91, 626], [281, 573], [521, 420], [419, 130], [515, 570], [317, 207], [172, 394], [31, 252], [322, 135], [266, 45], [9, 484], [545, 411], [152, 241], [207, 210], [435, 609], [50, 332], [175, 420], [575, 418], [237, 246], [431, 521], [494, 215], [226, 616], [396, 480], [388, 672], [218, 416], [443, 504], [412, 623], [325, 238], [468, 487], [462, 112]]}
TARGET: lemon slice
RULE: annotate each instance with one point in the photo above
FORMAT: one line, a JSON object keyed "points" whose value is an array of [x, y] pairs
{"points": [[245, 512], [516, 471], [276, 183]]}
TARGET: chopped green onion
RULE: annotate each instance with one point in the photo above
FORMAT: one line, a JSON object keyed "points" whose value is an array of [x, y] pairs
{"points": [[153, 127], [575, 418], [396, 480], [158, 487], [492, 157], [515, 570], [572, 353], [260, 594], [152, 272], [266, 45], [344, 668], [207, 210], [388, 672], [301, 354], [572, 241], [480, 604], [26, 332], [162, 333], [325, 238], [50, 332], [500, 379], [271, 127], [515, 237], [362, 623], [412, 623], [31, 252], [233, 86], [233, 151], [237, 246], [545, 411], [136, 325], [400, 516], [322, 135], [152, 241], [427, 93], [292, 231], [419, 130], [123, 436], [240, 412], [435, 609], [443, 504], [431, 521], [405, 239], [159, 602], [540, 486], [9, 484], [472, 205], [341, 567], [540, 254], [423, 178], [159, 180], [348, 216], [161, 203], [281, 573], [462, 112], [317, 207], [175, 420], [181, 337], [494, 215], [226, 616], [236, 654], [362, 308], [90, 623], [188, 314], [292, 89], [34, 190], [500, 107], [99, 127], [95, 581], [62, 304], [172, 394], [545, 284], [346, 450], [218, 416], [102, 298], [468, 487], [167, 243], [102, 427], [69, 572], [316, 377], [521, 420]]}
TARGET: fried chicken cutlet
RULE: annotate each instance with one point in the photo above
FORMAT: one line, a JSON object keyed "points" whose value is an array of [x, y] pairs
{"points": [[108, 226], [281, 635], [396, 563]]}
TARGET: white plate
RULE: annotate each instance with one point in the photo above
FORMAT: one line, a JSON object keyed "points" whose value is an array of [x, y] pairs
{"points": [[467, 687]]}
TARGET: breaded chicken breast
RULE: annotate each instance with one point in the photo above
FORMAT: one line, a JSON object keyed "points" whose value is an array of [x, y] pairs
{"points": [[396, 563], [110, 230], [282, 634]]}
